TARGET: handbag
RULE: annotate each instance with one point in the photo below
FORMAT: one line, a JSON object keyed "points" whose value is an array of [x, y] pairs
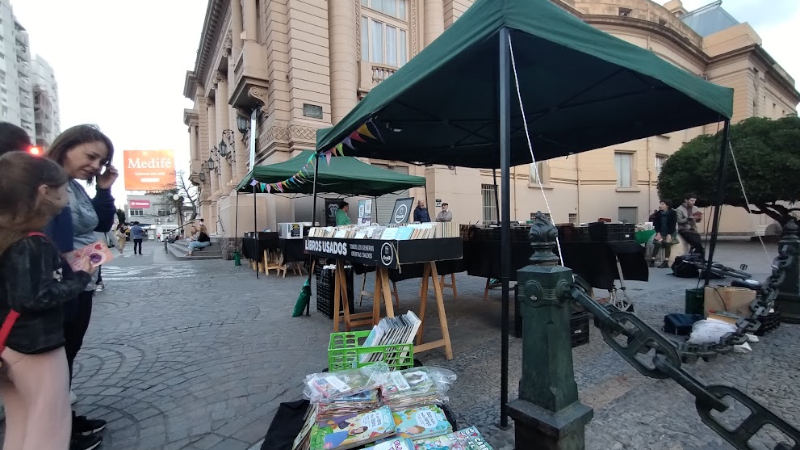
{"points": [[11, 318]]}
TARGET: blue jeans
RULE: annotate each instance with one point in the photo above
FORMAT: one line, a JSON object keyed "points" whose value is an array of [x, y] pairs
{"points": [[194, 245]]}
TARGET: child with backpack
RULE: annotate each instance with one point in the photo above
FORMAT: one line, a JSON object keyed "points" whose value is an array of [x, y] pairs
{"points": [[34, 282]]}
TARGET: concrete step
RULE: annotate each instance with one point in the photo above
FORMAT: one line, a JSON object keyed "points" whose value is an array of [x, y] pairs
{"points": [[179, 249]]}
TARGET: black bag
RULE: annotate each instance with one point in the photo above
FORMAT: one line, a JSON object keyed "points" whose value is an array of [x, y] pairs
{"points": [[685, 267], [680, 324]]}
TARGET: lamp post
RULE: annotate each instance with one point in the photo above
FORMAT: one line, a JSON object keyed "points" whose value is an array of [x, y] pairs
{"points": [[178, 199]]}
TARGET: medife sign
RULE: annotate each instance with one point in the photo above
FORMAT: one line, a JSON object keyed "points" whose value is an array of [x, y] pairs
{"points": [[139, 204], [149, 170]]}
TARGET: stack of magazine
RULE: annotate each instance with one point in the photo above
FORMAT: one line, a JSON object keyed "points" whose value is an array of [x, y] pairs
{"points": [[382, 410], [391, 331]]}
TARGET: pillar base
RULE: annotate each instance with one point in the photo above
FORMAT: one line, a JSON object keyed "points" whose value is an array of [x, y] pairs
{"points": [[789, 307], [536, 427]]}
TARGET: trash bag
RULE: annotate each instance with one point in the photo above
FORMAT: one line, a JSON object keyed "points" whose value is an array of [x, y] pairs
{"points": [[685, 267], [302, 299]]}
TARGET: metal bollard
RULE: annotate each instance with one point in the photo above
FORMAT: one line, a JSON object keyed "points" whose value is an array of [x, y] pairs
{"points": [[788, 301], [547, 414]]}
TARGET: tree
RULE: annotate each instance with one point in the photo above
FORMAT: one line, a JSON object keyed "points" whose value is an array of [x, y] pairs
{"points": [[768, 155], [186, 191]]}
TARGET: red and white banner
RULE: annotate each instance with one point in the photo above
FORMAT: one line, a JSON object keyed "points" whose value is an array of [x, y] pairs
{"points": [[139, 204]]}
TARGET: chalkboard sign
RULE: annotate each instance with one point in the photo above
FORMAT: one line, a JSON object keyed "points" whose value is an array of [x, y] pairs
{"points": [[401, 211]]}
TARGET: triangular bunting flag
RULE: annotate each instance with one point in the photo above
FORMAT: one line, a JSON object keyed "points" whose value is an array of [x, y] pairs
{"points": [[346, 141], [356, 137], [339, 148], [364, 131], [374, 128], [279, 186], [263, 187], [269, 188], [253, 182], [328, 157]]}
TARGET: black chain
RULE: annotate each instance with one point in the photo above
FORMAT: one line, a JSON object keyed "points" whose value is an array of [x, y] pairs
{"points": [[760, 308], [635, 341]]}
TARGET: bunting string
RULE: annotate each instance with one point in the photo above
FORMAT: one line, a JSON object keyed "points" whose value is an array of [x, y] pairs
{"points": [[366, 131]]}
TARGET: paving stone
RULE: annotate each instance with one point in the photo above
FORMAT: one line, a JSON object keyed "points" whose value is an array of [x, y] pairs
{"points": [[198, 354]]}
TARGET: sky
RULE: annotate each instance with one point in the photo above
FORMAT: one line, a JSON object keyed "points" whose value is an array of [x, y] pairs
{"points": [[121, 64]]}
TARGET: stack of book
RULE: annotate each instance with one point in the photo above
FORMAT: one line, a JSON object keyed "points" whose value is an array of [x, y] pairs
{"points": [[428, 230], [391, 331]]}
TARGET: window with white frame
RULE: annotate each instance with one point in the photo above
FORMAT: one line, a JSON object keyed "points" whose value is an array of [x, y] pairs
{"points": [[384, 36], [660, 160], [488, 199], [623, 162], [535, 173], [136, 212]]}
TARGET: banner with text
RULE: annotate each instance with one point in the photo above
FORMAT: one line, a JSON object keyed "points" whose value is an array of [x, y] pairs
{"points": [[149, 170]]}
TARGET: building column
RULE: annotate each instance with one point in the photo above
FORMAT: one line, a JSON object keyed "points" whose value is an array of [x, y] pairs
{"points": [[344, 61], [236, 28], [212, 141], [221, 100], [250, 19], [434, 20], [193, 150]]}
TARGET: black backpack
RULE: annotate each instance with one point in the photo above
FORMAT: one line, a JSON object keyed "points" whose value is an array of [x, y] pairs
{"points": [[685, 266]]}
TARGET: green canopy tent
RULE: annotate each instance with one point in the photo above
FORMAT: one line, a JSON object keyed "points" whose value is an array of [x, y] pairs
{"points": [[581, 88], [343, 175]]}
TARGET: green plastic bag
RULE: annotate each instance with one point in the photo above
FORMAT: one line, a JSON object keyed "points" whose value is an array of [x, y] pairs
{"points": [[302, 299]]}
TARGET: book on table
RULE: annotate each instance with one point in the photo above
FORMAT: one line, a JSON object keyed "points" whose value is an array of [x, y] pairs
{"points": [[421, 422], [353, 430]]}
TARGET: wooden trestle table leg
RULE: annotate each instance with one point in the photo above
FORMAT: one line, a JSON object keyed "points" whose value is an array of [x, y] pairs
{"points": [[430, 271]]}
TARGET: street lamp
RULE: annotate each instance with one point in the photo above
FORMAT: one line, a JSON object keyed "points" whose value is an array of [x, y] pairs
{"points": [[242, 123]]}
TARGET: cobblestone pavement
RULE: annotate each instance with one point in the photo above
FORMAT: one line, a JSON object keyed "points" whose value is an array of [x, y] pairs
{"points": [[198, 354]]}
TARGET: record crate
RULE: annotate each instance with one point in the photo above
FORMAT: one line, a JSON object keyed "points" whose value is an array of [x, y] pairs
{"points": [[345, 351]]}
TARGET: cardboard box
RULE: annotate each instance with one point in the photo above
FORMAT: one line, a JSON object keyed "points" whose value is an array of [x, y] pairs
{"points": [[734, 300]]}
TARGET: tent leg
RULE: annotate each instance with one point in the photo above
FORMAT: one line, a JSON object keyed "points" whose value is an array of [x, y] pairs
{"points": [[722, 170], [313, 224], [505, 235], [255, 228], [236, 225]]}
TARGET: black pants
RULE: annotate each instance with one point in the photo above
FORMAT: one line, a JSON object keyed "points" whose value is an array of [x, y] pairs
{"points": [[137, 243], [77, 313], [693, 239]]}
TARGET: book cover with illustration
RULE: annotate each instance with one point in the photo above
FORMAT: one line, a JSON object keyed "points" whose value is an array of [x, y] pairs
{"points": [[422, 422], [466, 439], [353, 430], [394, 443]]}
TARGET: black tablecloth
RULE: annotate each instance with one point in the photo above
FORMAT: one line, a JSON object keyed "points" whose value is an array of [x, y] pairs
{"points": [[292, 249], [482, 257], [595, 262], [249, 246]]}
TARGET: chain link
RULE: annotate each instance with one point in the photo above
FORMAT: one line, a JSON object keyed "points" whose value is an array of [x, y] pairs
{"points": [[760, 308], [635, 341]]}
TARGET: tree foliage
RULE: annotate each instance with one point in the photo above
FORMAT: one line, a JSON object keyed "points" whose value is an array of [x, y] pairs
{"points": [[768, 155]]}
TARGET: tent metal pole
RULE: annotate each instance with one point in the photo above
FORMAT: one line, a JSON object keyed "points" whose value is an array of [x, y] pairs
{"points": [[505, 234], [722, 170], [313, 223], [236, 221], [255, 230]]}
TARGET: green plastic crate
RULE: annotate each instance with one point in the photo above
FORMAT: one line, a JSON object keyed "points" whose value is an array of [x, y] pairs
{"points": [[345, 350]]}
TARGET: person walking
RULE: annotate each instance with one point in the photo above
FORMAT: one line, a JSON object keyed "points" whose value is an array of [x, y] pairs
{"points": [[421, 213], [34, 283], [445, 215], [122, 237], [687, 217], [664, 222], [137, 234], [85, 153]]}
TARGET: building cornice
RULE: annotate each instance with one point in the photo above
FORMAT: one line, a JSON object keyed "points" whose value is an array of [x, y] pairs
{"points": [[645, 25], [778, 73], [212, 25], [189, 85]]}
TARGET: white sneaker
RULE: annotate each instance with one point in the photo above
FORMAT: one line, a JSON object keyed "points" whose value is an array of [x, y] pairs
{"points": [[72, 397], [99, 287]]}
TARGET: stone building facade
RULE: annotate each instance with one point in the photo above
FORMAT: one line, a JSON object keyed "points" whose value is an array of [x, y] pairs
{"points": [[303, 64]]}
